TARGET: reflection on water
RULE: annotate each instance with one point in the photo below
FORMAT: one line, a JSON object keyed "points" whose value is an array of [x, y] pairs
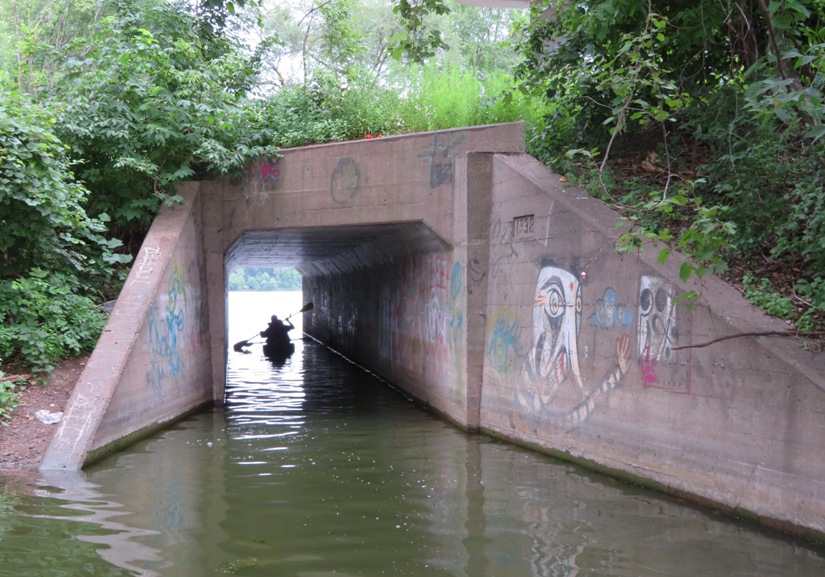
{"points": [[316, 469]]}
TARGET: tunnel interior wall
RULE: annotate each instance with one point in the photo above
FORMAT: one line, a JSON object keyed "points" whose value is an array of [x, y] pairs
{"points": [[404, 321], [592, 355], [151, 366]]}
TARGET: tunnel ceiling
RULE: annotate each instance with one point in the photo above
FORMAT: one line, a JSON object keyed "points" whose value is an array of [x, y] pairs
{"points": [[331, 250]]}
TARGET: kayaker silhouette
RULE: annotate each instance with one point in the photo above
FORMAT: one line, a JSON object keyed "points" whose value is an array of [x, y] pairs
{"points": [[277, 336]]}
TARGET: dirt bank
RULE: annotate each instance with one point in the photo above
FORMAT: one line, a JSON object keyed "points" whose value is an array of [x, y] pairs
{"points": [[24, 440]]}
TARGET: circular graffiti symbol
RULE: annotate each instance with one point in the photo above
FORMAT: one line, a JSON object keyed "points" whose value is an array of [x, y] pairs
{"points": [[346, 180]]}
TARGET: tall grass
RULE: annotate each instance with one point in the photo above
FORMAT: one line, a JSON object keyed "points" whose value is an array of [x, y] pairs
{"points": [[450, 97], [425, 98]]}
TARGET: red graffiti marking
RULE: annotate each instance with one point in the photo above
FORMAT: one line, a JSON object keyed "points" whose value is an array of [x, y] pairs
{"points": [[647, 365], [439, 273], [269, 172]]}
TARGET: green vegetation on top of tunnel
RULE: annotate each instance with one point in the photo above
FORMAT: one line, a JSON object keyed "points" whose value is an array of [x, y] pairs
{"points": [[700, 121]]}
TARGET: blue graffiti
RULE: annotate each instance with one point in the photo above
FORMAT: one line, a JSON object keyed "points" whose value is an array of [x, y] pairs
{"points": [[165, 332], [455, 280], [504, 348], [441, 156], [609, 313]]}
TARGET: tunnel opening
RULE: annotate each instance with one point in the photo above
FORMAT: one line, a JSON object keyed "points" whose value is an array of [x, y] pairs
{"points": [[262, 258], [277, 272]]}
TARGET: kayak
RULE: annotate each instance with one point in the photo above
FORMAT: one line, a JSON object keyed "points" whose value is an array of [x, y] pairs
{"points": [[279, 350]]}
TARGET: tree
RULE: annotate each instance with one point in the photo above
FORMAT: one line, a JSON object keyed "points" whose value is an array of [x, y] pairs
{"points": [[50, 248], [146, 103], [35, 33], [264, 279], [149, 97], [736, 84]]}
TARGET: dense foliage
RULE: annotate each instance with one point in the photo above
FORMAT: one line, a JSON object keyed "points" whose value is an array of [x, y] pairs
{"points": [[149, 93], [9, 397], [106, 104], [702, 121], [151, 103], [51, 249]]}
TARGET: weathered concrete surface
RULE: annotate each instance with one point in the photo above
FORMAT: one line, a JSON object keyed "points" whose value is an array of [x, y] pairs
{"points": [[151, 366], [590, 355]]}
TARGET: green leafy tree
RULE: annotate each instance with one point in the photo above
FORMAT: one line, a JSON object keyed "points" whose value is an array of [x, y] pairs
{"points": [[43, 227], [147, 105], [264, 279], [33, 34], [719, 101], [149, 97]]}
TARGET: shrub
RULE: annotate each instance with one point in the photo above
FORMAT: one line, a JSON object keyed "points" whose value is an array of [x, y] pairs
{"points": [[47, 318]]}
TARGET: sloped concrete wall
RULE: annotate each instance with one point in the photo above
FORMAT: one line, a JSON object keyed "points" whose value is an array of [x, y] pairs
{"points": [[591, 355], [151, 365]]}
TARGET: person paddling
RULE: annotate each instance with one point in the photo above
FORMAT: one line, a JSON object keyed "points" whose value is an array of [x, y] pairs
{"points": [[277, 333]]}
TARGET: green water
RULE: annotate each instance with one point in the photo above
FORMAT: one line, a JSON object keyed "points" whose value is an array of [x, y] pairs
{"points": [[315, 469]]}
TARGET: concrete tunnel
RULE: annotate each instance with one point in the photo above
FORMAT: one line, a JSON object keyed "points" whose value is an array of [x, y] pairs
{"points": [[464, 272], [333, 252], [357, 220]]}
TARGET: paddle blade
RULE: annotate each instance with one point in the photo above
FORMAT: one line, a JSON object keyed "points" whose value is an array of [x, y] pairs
{"points": [[307, 307]]}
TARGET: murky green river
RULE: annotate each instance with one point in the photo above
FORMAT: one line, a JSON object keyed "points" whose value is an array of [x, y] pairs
{"points": [[316, 469]]}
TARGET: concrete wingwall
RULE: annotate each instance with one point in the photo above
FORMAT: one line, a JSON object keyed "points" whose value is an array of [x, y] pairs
{"points": [[592, 355], [151, 365]]}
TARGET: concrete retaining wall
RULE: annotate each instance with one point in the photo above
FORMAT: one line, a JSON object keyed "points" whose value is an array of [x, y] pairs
{"points": [[591, 355], [151, 366]]}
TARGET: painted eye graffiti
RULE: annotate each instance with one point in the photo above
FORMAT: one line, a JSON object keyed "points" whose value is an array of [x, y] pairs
{"points": [[554, 309], [556, 303], [645, 300]]}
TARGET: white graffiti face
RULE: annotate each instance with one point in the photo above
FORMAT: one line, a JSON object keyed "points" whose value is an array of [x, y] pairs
{"points": [[657, 320], [556, 321]]}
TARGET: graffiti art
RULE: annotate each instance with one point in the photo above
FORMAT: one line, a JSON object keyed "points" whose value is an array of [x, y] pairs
{"points": [[552, 391]]}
